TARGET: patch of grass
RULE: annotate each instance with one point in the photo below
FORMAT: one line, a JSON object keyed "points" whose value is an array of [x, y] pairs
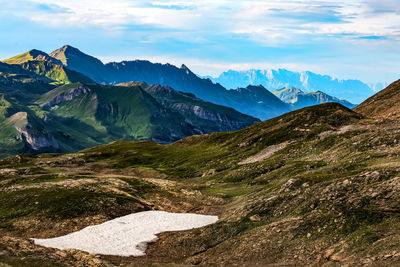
{"points": [[138, 188], [58, 203]]}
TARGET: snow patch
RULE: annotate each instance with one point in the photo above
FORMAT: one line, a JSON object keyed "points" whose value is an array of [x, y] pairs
{"points": [[127, 235]]}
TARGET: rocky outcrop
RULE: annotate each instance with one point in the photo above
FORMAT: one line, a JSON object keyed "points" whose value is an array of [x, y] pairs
{"points": [[226, 124], [67, 96], [36, 137]]}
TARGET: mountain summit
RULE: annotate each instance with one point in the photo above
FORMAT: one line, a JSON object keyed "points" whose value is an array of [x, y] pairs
{"points": [[76, 60]]}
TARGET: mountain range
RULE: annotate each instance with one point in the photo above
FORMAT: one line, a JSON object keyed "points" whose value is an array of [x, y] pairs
{"points": [[70, 63], [67, 100], [254, 100], [352, 90]]}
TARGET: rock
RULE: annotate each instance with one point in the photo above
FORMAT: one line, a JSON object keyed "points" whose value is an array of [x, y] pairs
{"points": [[67, 96], [8, 171], [209, 172], [255, 218], [329, 253], [338, 257]]}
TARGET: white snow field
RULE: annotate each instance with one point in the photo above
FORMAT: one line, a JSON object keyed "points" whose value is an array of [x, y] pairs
{"points": [[127, 235]]}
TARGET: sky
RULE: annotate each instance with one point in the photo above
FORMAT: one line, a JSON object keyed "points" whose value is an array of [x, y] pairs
{"points": [[357, 39]]}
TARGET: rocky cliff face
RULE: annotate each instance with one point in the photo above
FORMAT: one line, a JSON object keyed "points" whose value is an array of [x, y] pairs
{"points": [[36, 137], [216, 117], [67, 96]]}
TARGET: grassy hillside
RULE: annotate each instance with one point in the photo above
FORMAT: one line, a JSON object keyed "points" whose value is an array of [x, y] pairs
{"points": [[42, 64], [31, 55], [54, 71], [317, 186]]}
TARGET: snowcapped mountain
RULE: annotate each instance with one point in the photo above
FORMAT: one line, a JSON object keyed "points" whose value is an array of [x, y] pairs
{"points": [[352, 90]]}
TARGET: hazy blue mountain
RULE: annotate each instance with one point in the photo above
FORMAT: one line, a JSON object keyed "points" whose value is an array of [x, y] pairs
{"points": [[299, 99], [352, 90], [261, 98]]}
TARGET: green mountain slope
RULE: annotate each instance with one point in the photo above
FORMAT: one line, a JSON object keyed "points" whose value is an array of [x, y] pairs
{"points": [[117, 112], [32, 55], [42, 64], [76, 116], [318, 186], [27, 85], [203, 116]]}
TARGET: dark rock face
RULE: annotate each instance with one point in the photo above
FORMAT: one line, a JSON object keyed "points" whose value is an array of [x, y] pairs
{"points": [[36, 137]]}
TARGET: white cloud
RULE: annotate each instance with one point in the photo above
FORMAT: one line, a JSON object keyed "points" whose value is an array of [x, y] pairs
{"points": [[268, 22]]}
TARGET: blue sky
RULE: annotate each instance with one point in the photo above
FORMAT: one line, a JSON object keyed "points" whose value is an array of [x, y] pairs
{"points": [[347, 39]]}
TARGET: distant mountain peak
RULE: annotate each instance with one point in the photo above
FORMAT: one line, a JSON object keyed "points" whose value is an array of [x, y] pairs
{"points": [[76, 60], [64, 53], [186, 69], [70, 49], [259, 86]]}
